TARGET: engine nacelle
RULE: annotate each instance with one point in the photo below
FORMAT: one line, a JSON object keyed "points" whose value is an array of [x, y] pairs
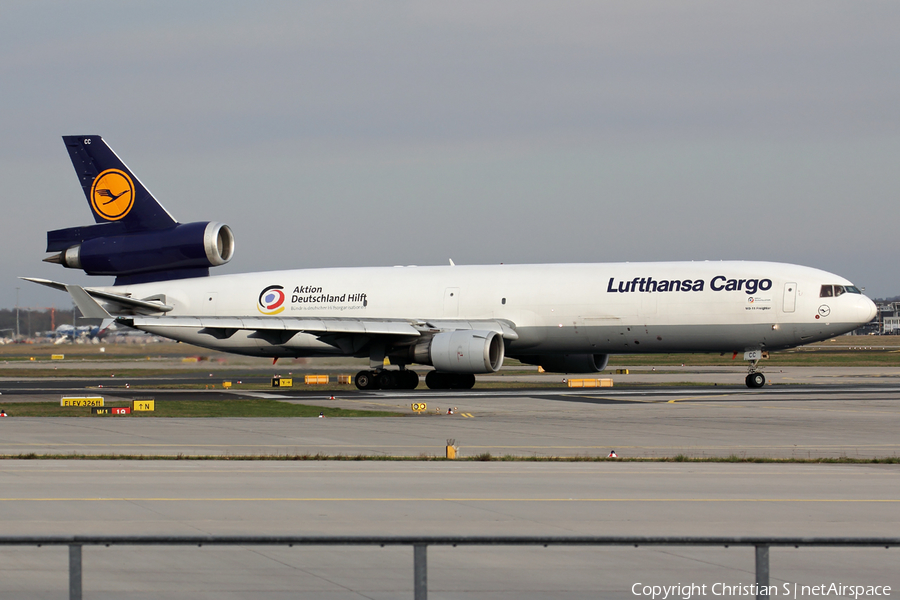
{"points": [[462, 351], [185, 247], [568, 363]]}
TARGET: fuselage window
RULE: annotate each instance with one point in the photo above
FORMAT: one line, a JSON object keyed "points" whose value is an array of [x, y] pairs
{"points": [[826, 292]]}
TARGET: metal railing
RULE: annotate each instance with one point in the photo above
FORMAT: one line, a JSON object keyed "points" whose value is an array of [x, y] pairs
{"points": [[420, 545]]}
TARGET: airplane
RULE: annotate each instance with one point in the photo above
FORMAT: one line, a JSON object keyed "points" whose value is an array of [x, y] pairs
{"points": [[460, 320], [71, 332]]}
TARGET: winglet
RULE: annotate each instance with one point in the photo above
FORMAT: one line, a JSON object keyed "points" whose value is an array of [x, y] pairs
{"points": [[89, 307]]}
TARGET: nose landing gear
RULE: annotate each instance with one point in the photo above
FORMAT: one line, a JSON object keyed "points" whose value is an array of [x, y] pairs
{"points": [[755, 380]]}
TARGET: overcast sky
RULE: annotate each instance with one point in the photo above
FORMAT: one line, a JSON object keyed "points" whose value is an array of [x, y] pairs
{"points": [[381, 133]]}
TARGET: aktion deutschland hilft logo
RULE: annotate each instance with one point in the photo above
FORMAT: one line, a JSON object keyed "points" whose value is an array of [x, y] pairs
{"points": [[112, 194], [271, 300]]}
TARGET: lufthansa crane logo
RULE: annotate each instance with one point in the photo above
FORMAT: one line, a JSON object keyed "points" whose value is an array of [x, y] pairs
{"points": [[271, 300], [112, 194]]}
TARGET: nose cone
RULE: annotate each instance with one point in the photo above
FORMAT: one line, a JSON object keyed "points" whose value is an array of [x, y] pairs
{"points": [[866, 310]]}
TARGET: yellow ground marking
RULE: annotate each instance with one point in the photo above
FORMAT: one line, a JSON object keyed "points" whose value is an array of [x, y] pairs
{"points": [[837, 410], [468, 415], [620, 469], [492, 447], [774, 407], [292, 400], [461, 499], [619, 399], [674, 400]]}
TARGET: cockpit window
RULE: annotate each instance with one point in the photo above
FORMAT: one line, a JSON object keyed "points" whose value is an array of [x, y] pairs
{"points": [[829, 291]]}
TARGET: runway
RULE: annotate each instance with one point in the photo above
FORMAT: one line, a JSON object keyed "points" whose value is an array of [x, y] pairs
{"points": [[390, 498], [857, 419]]}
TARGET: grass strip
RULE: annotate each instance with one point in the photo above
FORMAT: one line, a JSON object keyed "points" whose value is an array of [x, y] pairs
{"points": [[484, 457], [249, 407]]}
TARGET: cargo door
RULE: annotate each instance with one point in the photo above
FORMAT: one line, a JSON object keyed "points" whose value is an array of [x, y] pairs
{"points": [[790, 297]]}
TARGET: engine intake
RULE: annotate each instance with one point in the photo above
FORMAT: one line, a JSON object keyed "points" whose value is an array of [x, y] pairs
{"points": [[568, 363], [462, 351]]}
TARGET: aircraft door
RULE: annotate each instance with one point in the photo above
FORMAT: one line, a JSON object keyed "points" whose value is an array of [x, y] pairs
{"points": [[451, 302], [790, 297]]}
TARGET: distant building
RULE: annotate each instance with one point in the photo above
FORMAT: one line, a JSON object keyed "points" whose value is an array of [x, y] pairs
{"points": [[890, 326], [888, 317]]}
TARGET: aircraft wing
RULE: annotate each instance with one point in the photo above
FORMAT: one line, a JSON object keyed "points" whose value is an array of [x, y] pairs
{"points": [[278, 329], [224, 327]]}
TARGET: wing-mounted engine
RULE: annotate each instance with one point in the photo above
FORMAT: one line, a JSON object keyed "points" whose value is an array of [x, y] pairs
{"points": [[462, 351], [185, 250], [568, 363]]}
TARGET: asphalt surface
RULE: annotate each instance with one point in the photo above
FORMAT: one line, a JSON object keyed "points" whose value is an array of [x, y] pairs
{"points": [[856, 415], [470, 498], [857, 421]]}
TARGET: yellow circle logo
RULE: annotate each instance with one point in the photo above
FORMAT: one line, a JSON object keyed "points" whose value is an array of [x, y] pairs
{"points": [[112, 194]]}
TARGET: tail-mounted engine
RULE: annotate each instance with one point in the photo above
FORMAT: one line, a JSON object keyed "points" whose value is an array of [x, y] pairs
{"points": [[135, 238], [185, 250]]}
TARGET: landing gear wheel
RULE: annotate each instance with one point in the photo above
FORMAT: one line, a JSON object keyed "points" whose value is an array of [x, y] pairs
{"points": [[450, 381], [410, 380], [387, 380], [462, 381], [756, 380], [436, 381], [365, 380]]}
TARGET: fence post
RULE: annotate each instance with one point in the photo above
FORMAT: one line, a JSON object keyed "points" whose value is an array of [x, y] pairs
{"points": [[762, 572], [420, 572], [75, 572]]}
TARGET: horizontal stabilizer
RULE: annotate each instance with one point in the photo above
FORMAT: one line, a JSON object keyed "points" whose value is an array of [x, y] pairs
{"points": [[123, 301]]}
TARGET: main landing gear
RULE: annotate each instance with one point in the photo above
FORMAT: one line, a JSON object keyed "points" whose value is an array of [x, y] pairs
{"points": [[387, 380], [409, 380], [449, 381]]}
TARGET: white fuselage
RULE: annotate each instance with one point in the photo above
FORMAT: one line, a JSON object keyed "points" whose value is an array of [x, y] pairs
{"points": [[611, 308]]}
